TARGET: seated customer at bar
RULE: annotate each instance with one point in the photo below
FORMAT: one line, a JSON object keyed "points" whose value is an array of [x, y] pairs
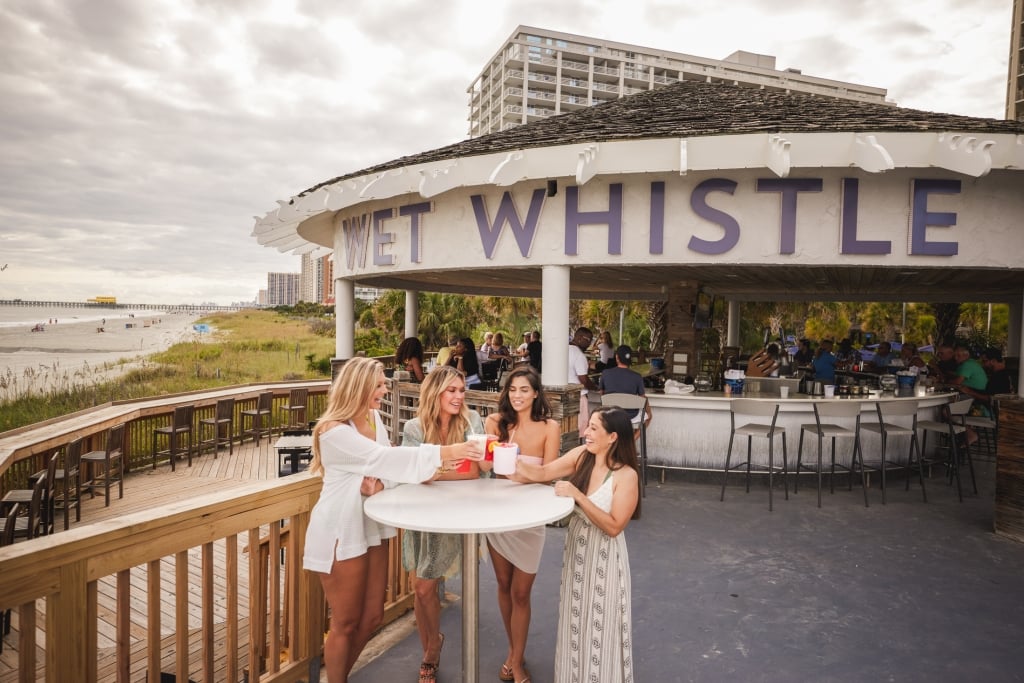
{"points": [[943, 365], [825, 363], [883, 357], [909, 358], [621, 379], [969, 373]]}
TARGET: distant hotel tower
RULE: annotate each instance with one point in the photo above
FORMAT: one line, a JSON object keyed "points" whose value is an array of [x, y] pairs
{"points": [[1015, 78], [539, 73]]}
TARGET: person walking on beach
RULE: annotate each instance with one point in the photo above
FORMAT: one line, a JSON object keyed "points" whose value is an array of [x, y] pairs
{"points": [[442, 418], [523, 418], [595, 628], [352, 453]]}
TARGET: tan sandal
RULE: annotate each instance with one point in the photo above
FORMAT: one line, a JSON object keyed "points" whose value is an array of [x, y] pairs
{"points": [[506, 673]]}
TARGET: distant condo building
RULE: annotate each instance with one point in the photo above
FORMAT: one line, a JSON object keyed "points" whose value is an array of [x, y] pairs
{"points": [[539, 73], [283, 289], [1015, 79], [312, 280]]}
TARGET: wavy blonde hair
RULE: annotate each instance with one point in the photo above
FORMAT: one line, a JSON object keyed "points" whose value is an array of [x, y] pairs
{"points": [[429, 411], [347, 400]]}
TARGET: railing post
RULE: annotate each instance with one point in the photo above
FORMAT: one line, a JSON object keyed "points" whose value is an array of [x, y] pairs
{"points": [[66, 635]]}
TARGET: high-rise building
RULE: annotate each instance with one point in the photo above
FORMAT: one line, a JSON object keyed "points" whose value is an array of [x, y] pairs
{"points": [[539, 73], [312, 271], [1015, 77], [283, 289]]}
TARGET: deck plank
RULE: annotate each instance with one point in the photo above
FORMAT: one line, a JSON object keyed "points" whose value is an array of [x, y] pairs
{"points": [[144, 489]]}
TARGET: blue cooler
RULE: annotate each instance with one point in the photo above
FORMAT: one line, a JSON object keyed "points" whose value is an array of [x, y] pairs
{"points": [[905, 385], [736, 384]]}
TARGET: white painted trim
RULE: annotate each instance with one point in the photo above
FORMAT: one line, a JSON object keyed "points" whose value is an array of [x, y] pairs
{"points": [[969, 154]]}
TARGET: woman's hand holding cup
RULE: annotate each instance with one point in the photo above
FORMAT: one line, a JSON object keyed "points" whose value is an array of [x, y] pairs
{"points": [[453, 455]]}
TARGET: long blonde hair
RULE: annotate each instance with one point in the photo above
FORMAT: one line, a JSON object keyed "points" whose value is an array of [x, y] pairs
{"points": [[429, 411], [347, 400]]}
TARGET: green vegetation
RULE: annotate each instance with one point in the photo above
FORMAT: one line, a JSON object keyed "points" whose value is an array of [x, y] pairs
{"points": [[298, 342], [246, 347]]}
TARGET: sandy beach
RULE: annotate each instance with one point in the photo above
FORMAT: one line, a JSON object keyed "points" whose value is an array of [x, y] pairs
{"points": [[73, 350]]}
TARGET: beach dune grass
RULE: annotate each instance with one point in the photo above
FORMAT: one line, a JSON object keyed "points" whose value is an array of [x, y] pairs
{"points": [[244, 347]]}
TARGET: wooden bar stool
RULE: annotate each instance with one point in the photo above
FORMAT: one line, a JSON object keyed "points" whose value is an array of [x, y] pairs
{"points": [[223, 421], [295, 409], [260, 421], [68, 484], [181, 426], [107, 466]]}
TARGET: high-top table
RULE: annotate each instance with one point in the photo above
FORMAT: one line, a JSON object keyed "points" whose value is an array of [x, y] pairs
{"points": [[469, 508]]}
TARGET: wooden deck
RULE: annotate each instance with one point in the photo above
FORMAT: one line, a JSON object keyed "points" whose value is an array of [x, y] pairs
{"points": [[145, 489]]}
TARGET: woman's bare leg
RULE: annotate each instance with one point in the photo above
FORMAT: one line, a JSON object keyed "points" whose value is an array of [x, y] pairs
{"points": [[344, 588], [373, 600], [514, 587], [428, 618]]}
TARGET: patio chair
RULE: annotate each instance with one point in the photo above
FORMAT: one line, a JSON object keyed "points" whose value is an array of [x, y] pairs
{"points": [[744, 408], [106, 466], [23, 497]]}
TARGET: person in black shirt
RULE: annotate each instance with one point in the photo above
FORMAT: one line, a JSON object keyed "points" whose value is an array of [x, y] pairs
{"points": [[620, 379], [533, 349]]}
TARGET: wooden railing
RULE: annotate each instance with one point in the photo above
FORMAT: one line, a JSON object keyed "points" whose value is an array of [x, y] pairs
{"points": [[128, 566], [26, 450]]}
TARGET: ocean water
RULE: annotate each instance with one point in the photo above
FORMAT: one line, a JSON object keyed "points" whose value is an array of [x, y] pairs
{"points": [[27, 316]]}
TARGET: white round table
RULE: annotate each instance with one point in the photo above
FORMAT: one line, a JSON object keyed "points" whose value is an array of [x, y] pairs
{"points": [[469, 508]]}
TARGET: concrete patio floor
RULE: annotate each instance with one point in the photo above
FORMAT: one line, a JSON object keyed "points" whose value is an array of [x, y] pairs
{"points": [[908, 591]]}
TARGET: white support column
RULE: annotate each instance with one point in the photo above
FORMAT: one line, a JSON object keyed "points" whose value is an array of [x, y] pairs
{"points": [[555, 325], [412, 313], [344, 318], [732, 333]]}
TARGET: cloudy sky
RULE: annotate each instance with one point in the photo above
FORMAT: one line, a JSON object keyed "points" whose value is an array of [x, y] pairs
{"points": [[139, 138]]}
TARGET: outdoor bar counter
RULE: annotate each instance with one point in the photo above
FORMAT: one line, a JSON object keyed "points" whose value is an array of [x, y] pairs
{"points": [[691, 431]]}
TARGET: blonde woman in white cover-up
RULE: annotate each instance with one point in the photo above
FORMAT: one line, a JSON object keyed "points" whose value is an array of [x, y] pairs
{"points": [[352, 453]]}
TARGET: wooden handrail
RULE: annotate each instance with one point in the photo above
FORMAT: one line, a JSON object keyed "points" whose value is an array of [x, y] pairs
{"points": [[32, 444], [65, 570]]}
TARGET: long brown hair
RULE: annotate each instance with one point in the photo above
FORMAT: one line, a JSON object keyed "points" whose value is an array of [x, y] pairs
{"points": [[429, 411], [347, 399], [540, 410], [622, 453]]}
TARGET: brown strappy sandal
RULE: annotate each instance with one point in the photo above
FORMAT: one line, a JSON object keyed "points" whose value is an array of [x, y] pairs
{"points": [[428, 670]]}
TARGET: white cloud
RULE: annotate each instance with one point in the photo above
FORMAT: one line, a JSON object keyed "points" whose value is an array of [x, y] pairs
{"points": [[139, 139]]}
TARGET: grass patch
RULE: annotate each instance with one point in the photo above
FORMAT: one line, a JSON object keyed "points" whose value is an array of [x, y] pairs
{"points": [[245, 347]]}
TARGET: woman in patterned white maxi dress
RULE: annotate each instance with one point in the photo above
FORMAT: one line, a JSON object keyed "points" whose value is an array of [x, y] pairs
{"points": [[595, 614]]}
